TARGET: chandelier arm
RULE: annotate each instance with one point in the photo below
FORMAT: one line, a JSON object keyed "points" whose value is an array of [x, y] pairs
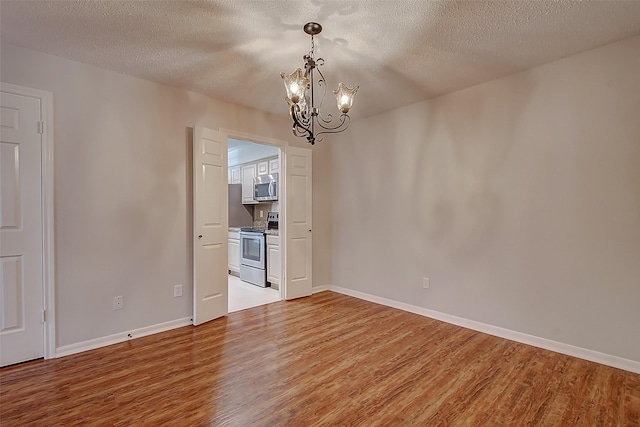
{"points": [[303, 120], [303, 117], [297, 132], [344, 125], [327, 121], [317, 136], [299, 129], [345, 121], [321, 82]]}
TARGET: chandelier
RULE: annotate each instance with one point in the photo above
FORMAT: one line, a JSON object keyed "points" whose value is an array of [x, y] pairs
{"points": [[301, 92]]}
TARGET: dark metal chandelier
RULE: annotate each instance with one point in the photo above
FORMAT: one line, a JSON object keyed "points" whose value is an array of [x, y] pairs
{"points": [[301, 90]]}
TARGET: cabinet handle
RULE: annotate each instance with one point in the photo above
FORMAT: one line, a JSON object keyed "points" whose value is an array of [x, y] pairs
{"points": [[200, 236]]}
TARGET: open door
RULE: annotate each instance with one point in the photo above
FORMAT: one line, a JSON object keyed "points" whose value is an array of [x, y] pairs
{"points": [[298, 223], [21, 273], [210, 225]]}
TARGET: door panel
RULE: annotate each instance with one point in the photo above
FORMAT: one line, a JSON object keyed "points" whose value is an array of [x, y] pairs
{"points": [[10, 200], [210, 294], [12, 293], [21, 290], [298, 222]]}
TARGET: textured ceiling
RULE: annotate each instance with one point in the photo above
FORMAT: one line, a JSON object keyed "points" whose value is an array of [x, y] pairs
{"points": [[399, 52]]}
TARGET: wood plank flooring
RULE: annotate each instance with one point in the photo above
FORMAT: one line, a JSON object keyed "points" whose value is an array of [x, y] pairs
{"points": [[326, 360]]}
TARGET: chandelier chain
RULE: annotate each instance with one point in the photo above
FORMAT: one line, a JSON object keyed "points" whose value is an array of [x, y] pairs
{"points": [[313, 46]]}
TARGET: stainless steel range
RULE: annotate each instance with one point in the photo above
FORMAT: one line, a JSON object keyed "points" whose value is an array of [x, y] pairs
{"points": [[253, 257]]}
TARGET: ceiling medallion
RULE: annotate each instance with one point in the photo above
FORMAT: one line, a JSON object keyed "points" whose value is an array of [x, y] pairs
{"points": [[301, 91]]}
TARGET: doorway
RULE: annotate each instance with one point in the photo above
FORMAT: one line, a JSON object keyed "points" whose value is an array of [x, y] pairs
{"points": [[258, 282], [211, 226]]}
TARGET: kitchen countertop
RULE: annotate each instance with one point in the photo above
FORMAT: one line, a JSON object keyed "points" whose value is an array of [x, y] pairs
{"points": [[268, 232]]}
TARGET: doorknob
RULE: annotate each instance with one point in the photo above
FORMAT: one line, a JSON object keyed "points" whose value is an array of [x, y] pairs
{"points": [[200, 236]]}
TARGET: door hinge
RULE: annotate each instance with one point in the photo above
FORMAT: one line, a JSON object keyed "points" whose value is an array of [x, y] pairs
{"points": [[44, 316], [40, 128]]}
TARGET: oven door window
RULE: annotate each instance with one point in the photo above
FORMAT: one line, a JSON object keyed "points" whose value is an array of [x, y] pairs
{"points": [[251, 249]]}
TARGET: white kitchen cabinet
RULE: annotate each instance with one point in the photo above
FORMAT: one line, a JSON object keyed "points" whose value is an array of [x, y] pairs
{"points": [[248, 172], [273, 261], [274, 166], [234, 175], [263, 167], [234, 251]]}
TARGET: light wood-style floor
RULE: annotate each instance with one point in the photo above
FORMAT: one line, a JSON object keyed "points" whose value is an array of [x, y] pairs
{"points": [[324, 360]]}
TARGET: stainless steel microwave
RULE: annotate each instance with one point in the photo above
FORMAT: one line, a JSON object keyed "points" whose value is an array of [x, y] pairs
{"points": [[265, 188]]}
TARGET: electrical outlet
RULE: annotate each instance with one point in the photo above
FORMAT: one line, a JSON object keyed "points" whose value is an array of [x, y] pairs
{"points": [[177, 291], [425, 283], [261, 213], [118, 303]]}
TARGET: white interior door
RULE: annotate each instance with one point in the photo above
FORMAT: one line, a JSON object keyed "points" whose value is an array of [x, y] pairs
{"points": [[298, 223], [211, 225], [21, 273]]}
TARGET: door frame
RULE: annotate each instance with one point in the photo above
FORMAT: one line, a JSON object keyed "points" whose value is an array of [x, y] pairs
{"points": [[47, 204], [282, 191]]}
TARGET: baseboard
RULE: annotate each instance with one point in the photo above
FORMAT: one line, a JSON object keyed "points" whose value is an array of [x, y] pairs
{"points": [[66, 350], [558, 347], [323, 288]]}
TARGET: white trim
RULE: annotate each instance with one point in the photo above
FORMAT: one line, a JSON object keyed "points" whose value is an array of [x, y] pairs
{"points": [[121, 337], [47, 198], [558, 347], [48, 225], [318, 289], [258, 139]]}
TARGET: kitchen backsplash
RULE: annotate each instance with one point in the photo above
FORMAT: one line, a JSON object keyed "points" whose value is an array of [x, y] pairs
{"points": [[262, 225], [261, 207], [261, 221]]}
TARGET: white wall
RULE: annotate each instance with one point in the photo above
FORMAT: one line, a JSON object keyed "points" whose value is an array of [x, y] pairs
{"points": [[122, 190], [519, 198]]}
